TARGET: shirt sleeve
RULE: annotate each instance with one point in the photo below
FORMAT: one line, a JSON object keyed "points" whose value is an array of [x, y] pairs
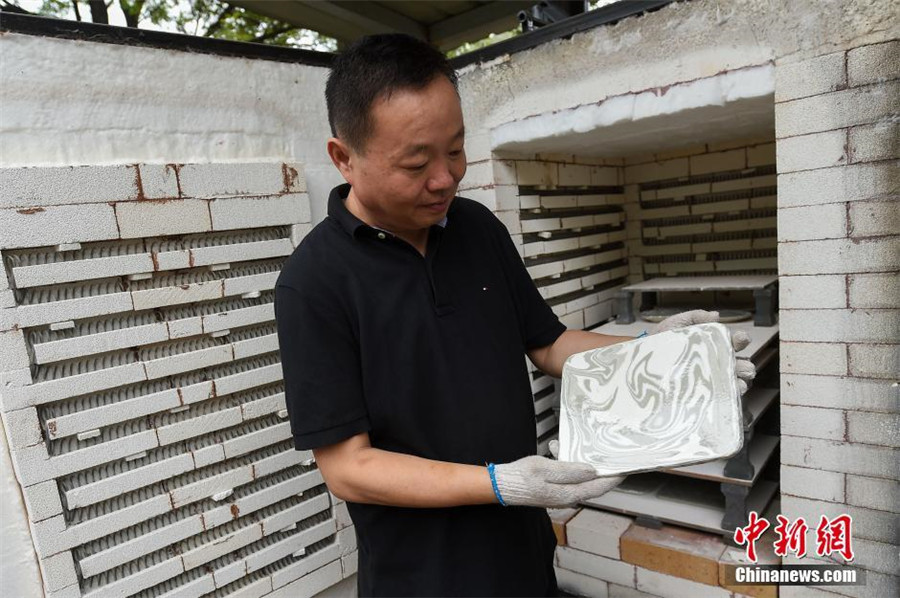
{"points": [[539, 325], [321, 366]]}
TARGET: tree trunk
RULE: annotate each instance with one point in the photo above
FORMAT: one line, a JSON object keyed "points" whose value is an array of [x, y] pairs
{"points": [[132, 11], [99, 13]]}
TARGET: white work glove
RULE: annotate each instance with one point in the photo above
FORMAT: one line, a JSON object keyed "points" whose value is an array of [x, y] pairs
{"points": [[541, 482], [743, 368]]}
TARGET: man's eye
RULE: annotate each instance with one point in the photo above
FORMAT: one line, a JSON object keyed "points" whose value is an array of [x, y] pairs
{"points": [[418, 167], [456, 153]]}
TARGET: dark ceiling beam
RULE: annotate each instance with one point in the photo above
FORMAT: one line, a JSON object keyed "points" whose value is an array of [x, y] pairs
{"points": [[477, 23], [296, 13], [344, 21], [372, 16]]}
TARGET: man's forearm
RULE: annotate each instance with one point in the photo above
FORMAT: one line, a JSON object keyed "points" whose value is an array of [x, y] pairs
{"points": [[550, 359], [383, 477]]}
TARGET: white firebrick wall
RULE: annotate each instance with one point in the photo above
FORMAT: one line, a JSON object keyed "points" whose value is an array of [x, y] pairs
{"points": [[838, 258], [73, 102], [141, 384], [843, 375]]}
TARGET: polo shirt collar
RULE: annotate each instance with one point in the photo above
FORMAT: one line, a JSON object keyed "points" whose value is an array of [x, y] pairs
{"points": [[348, 221]]}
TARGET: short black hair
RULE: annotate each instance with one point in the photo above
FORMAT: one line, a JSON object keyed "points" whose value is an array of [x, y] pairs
{"points": [[371, 69]]}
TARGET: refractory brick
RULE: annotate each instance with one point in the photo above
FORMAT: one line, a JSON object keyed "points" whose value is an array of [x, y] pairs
{"points": [[141, 382]]}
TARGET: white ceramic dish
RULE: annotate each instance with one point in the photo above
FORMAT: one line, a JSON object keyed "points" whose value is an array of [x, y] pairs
{"points": [[665, 400]]}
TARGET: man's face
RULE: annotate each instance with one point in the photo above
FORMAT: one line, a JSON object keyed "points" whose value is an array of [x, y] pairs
{"points": [[413, 160]]}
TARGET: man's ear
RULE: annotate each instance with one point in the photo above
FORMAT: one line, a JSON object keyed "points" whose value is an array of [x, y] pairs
{"points": [[342, 157]]}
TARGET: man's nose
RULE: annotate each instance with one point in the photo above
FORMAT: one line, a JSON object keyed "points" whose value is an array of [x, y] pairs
{"points": [[442, 177]]}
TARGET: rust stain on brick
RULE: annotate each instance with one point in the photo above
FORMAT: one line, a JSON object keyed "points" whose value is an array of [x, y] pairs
{"points": [[155, 257], [847, 283], [213, 392], [178, 390], [112, 204], [290, 176], [176, 168], [845, 85], [138, 182], [190, 258], [848, 359], [184, 287], [235, 511], [847, 153], [51, 427], [30, 210]]}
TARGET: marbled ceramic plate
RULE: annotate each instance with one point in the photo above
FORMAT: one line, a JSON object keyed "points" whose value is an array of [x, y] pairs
{"points": [[665, 400]]}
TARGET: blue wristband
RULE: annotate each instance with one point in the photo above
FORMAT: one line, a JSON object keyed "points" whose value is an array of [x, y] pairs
{"points": [[644, 333], [490, 468]]}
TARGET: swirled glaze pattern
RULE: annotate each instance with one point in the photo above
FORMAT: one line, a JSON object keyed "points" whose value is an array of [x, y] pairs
{"points": [[665, 400]]}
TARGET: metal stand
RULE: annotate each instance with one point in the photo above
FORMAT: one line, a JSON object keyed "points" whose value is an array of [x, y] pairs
{"points": [[736, 514], [624, 307], [647, 521], [766, 303], [740, 466]]}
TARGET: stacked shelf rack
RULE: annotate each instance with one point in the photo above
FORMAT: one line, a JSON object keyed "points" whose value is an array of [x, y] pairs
{"points": [[716, 496]]}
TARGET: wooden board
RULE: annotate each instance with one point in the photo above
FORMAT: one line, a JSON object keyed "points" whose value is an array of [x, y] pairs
{"points": [[701, 516], [703, 283], [765, 356], [761, 449], [760, 336], [757, 400]]}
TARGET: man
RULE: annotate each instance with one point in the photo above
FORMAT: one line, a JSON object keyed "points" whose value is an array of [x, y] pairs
{"points": [[403, 319]]}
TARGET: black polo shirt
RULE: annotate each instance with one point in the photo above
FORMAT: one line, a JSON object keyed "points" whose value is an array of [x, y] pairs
{"points": [[427, 355]]}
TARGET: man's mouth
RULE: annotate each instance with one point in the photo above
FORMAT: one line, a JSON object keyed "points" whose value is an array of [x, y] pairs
{"points": [[437, 205]]}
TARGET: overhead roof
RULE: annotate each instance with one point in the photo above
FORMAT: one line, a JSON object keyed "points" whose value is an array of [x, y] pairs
{"points": [[447, 24], [452, 28]]}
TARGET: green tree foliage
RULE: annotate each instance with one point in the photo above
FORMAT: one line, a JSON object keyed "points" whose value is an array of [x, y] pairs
{"points": [[214, 18], [205, 18], [491, 39]]}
